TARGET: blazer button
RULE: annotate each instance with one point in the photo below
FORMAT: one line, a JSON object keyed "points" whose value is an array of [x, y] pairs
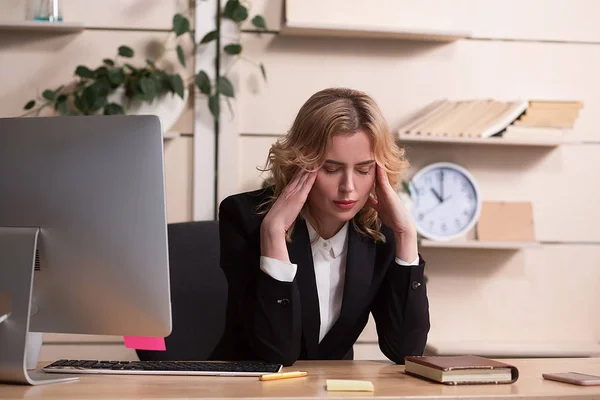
{"points": [[283, 302], [415, 284]]}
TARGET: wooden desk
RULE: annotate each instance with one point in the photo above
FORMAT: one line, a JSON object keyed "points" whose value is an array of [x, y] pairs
{"points": [[389, 381]]}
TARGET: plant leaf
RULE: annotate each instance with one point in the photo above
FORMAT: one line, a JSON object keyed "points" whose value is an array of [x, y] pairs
{"points": [[203, 82], [259, 22], [263, 71], [162, 81], [100, 72], [225, 87], [213, 105], [30, 104], [84, 72], [49, 95], [109, 62], [181, 24], [230, 8], [125, 51], [233, 49], [113, 109], [131, 68], [177, 84], [147, 88], [94, 95], [79, 104], [150, 63], [210, 36], [240, 13], [116, 77], [180, 55]]}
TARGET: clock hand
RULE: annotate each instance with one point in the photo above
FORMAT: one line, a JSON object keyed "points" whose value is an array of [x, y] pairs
{"points": [[431, 209], [434, 207], [442, 184], [437, 195]]}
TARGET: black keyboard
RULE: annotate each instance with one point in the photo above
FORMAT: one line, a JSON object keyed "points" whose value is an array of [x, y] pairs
{"points": [[249, 368]]}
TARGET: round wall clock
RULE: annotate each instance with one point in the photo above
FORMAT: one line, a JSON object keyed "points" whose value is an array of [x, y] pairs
{"points": [[446, 202]]}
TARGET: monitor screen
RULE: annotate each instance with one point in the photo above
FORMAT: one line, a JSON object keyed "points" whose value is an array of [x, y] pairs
{"points": [[94, 186]]}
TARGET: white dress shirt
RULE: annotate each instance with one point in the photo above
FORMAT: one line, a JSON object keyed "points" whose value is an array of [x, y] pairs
{"points": [[329, 260]]}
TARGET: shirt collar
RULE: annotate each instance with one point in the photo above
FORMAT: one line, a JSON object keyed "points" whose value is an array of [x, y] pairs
{"points": [[337, 241]]}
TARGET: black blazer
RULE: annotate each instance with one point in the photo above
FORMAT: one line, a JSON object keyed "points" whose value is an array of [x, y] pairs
{"points": [[279, 321]]}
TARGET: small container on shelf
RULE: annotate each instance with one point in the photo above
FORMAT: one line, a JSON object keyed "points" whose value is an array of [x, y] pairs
{"points": [[47, 11]]}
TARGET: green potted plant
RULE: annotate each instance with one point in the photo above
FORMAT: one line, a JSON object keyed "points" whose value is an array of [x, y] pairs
{"points": [[115, 86]]}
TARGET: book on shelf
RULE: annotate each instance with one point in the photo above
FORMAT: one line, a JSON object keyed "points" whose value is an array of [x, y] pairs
{"points": [[483, 118], [576, 104], [550, 114], [461, 370], [561, 114], [546, 123], [534, 132], [464, 118]]}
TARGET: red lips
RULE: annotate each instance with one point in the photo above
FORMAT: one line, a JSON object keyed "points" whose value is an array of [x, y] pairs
{"points": [[345, 204]]}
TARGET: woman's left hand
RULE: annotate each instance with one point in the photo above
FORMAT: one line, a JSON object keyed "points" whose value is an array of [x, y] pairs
{"points": [[390, 208], [395, 215]]}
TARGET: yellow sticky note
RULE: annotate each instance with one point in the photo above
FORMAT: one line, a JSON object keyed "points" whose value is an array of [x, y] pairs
{"points": [[344, 385]]}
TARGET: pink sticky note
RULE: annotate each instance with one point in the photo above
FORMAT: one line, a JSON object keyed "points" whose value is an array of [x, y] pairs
{"points": [[145, 343]]}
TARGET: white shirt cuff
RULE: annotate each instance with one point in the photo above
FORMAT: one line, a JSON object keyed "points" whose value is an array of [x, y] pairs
{"points": [[277, 269], [404, 263]]}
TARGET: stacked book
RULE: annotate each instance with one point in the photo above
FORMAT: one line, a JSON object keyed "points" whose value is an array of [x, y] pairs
{"points": [[539, 119], [466, 118], [545, 119]]}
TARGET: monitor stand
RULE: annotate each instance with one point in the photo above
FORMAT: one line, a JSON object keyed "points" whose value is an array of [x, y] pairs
{"points": [[17, 263]]}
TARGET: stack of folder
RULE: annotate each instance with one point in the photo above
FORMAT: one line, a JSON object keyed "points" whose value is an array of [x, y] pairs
{"points": [[545, 119]]}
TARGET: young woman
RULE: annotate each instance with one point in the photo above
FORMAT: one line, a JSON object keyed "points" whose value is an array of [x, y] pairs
{"points": [[310, 257]]}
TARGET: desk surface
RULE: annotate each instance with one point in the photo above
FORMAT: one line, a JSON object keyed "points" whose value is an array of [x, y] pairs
{"points": [[389, 381]]}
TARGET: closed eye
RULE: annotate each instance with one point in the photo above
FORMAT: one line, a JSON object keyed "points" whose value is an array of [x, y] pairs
{"points": [[364, 171], [332, 171]]}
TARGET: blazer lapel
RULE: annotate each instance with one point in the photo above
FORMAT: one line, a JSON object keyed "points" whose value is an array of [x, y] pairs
{"points": [[360, 262], [300, 253]]}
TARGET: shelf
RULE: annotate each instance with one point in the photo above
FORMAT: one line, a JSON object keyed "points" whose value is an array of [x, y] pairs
{"points": [[514, 349], [494, 140], [171, 135], [373, 32], [41, 26], [477, 244]]}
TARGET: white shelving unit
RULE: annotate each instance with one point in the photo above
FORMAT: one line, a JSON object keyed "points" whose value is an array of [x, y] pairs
{"points": [[40, 26], [373, 32], [494, 141], [478, 244]]}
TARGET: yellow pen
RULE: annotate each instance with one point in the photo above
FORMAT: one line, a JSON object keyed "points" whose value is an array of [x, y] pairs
{"points": [[283, 375]]}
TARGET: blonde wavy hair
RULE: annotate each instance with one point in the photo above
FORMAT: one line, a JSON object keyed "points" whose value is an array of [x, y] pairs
{"points": [[334, 111]]}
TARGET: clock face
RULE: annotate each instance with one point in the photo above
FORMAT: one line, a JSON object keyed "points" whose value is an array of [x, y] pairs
{"points": [[446, 202]]}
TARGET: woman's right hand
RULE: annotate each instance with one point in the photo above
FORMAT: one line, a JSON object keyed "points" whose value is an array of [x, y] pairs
{"points": [[283, 213]]}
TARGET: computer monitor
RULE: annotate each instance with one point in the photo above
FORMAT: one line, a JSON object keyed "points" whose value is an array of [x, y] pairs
{"points": [[92, 189]]}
